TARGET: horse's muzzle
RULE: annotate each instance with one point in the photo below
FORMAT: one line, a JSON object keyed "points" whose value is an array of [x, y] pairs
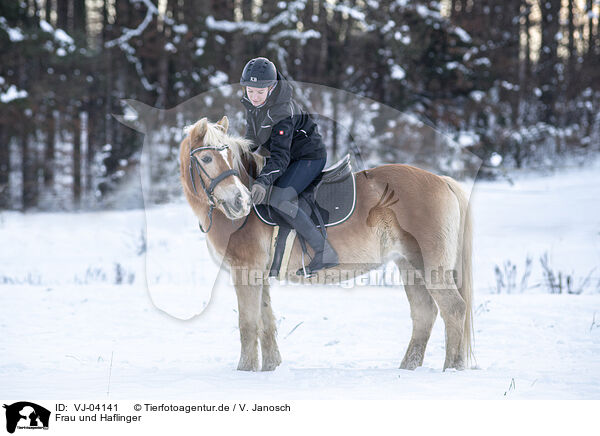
{"points": [[237, 207]]}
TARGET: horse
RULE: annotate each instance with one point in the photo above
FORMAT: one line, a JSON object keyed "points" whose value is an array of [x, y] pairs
{"points": [[417, 219]]}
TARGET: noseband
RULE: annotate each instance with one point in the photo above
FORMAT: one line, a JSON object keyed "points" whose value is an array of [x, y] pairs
{"points": [[212, 201]]}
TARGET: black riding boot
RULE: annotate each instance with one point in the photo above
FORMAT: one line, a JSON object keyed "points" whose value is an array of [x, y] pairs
{"points": [[325, 255]]}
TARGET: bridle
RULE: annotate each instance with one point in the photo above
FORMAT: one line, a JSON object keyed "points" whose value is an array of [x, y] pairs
{"points": [[212, 200]]}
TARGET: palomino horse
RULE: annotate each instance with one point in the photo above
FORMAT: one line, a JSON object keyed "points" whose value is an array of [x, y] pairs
{"points": [[405, 214]]}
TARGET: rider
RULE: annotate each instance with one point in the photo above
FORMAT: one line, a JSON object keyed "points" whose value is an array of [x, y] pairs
{"points": [[276, 123]]}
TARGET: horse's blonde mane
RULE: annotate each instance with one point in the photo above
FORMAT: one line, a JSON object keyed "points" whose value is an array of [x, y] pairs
{"points": [[214, 134]]}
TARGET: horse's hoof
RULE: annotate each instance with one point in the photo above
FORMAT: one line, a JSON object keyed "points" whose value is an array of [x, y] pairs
{"points": [[458, 366], [247, 366], [269, 366], [271, 362], [413, 357], [411, 366]]}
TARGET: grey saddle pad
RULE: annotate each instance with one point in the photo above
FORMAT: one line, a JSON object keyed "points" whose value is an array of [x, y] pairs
{"points": [[335, 193]]}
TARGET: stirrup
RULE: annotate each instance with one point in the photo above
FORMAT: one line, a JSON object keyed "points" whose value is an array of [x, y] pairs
{"points": [[310, 271]]}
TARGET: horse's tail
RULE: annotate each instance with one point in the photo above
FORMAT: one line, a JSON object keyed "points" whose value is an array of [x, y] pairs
{"points": [[464, 263]]}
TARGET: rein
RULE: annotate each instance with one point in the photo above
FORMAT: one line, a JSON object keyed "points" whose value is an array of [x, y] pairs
{"points": [[212, 201]]}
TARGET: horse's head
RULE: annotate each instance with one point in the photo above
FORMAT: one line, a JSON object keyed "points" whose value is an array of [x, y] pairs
{"points": [[209, 169]]}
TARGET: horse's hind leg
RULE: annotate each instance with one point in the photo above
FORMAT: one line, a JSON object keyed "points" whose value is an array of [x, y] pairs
{"points": [[249, 321], [268, 335], [453, 309], [423, 312]]}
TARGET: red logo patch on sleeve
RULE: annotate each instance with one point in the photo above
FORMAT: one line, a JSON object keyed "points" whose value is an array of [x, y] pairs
{"points": [[281, 132]]}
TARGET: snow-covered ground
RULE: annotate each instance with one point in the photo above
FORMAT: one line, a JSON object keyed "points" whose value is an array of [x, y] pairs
{"points": [[80, 302]]}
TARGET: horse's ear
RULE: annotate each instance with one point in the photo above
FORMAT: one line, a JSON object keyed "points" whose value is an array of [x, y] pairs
{"points": [[201, 127], [224, 123]]}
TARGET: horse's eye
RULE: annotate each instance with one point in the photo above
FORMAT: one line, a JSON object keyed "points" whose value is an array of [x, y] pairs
{"points": [[207, 159]]}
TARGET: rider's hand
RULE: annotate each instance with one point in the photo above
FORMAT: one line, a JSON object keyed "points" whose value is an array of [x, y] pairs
{"points": [[259, 191]]}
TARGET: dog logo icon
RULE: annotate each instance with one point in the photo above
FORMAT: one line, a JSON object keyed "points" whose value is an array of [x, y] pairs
{"points": [[26, 415]]}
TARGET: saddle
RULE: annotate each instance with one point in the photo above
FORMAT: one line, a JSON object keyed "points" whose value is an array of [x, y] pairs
{"points": [[329, 201]]}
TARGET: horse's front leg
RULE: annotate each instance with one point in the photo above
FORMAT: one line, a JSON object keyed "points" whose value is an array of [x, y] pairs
{"points": [[268, 335], [249, 301]]}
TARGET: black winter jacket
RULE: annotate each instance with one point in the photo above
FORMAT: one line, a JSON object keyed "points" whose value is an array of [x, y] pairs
{"points": [[281, 126]]}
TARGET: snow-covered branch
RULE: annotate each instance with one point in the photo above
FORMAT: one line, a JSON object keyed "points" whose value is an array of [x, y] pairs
{"points": [[287, 16], [130, 33]]}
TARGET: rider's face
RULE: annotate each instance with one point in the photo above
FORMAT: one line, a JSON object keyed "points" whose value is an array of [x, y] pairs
{"points": [[257, 95]]}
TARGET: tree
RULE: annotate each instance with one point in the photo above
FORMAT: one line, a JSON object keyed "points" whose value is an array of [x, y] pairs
{"points": [[548, 70]]}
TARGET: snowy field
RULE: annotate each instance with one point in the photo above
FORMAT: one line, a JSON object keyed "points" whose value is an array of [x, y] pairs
{"points": [[85, 296]]}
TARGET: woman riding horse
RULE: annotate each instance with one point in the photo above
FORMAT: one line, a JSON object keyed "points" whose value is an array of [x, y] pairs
{"points": [[276, 124]]}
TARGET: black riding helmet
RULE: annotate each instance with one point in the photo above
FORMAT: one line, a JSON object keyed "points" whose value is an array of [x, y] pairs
{"points": [[259, 73]]}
